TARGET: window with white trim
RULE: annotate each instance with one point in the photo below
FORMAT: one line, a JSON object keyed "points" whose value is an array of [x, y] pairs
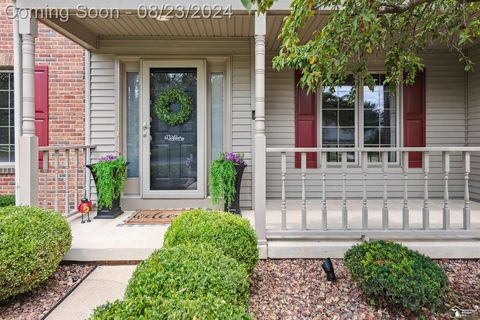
{"points": [[339, 119], [7, 120], [133, 123], [379, 118], [351, 117]]}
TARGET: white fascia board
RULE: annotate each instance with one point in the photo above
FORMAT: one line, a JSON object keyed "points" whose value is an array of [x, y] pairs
{"points": [[135, 4]]}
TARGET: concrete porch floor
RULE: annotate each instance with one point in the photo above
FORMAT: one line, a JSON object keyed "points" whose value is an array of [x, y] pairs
{"points": [[109, 240]]}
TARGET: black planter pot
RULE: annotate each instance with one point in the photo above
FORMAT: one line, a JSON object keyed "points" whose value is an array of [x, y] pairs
{"points": [[106, 213], [235, 206]]}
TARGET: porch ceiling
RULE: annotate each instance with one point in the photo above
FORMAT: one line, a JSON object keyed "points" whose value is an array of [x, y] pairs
{"points": [[132, 25], [275, 23], [89, 32]]}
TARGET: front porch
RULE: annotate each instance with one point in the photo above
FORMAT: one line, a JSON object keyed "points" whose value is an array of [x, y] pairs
{"points": [[359, 185], [109, 240]]}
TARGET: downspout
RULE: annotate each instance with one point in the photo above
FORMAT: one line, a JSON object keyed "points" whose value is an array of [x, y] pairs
{"points": [[17, 88], [88, 138]]}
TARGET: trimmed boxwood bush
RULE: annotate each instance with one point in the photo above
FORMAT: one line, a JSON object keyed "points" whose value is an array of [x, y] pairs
{"points": [[393, 273], [190, 272], [7, 200], [206, 308], [33, 241], [232, 234]]}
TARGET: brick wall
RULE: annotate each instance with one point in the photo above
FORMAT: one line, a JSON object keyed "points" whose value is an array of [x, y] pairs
{"points": [[65, 61]]}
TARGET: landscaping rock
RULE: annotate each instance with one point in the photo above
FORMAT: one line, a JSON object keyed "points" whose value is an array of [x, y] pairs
{"points": [[298, 290], [35, 304]]}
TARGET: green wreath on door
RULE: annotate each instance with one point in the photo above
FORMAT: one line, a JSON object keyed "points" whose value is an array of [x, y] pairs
{"points": [[163, 111]]}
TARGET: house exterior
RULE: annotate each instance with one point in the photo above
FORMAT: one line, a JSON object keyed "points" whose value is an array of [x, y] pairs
{"points": [[418, 146], [59, 108]]}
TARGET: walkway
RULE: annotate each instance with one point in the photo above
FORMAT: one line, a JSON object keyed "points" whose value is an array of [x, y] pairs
{"points": [[104, 284]]}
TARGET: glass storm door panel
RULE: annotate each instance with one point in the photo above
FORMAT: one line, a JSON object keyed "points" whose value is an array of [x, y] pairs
{"points": [[174, 162], [173, 148]]}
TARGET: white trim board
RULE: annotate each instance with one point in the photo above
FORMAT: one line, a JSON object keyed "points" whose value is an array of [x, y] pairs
{"points": [[200, 65]]}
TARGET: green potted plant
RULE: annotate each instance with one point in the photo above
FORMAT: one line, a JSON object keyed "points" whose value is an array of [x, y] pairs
{"points": [[109, 175], [225, 180]]}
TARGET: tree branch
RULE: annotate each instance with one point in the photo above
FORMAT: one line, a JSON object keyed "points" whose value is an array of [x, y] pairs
{"points": [[389, 8]]}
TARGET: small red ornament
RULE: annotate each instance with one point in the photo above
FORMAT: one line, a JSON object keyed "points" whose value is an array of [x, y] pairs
{"points": [[84, 208]]}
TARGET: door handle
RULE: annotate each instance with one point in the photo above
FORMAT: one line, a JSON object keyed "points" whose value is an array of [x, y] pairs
{"points": [[145, 128]]}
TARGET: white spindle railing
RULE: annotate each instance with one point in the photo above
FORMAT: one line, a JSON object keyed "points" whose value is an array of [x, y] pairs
{"points": [[466, 208], [446, 195], [304, 190], [324, 190], [341, 169], [385, 190], [426, 209], [405, 211], [284, 195], [62, 196]]}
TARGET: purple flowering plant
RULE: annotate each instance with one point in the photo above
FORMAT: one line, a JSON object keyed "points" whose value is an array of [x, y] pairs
{"points": [[108, 157], [234, 157]]}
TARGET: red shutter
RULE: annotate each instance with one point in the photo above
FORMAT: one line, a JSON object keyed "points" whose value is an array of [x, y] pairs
{"points": [[414, 118], [41, 108], [305, 123]]}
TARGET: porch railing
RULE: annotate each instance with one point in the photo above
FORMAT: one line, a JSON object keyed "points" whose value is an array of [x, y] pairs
{"points": [[365, 167], [63, 179]]}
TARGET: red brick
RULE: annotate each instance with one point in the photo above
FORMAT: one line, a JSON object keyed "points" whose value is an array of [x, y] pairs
{"points": [[65, 60]]}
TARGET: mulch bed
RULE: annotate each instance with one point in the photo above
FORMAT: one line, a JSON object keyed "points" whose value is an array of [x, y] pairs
{"points": [[36, 304], [297, 289]]}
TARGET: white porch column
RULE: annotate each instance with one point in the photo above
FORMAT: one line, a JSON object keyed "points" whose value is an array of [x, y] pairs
{"points": [[260, 140], [28, 144]]}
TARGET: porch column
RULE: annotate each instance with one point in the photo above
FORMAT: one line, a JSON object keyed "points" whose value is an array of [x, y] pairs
{"points": [[28, 143], [260, 140]]}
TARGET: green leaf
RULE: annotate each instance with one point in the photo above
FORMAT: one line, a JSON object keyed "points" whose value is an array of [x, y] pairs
{"points": [[247, 4]]}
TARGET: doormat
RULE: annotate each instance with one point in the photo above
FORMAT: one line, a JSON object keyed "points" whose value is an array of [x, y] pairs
{"points": [[154, 216]]}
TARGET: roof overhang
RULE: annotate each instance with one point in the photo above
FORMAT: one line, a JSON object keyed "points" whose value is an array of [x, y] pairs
{"points": [[73, 19], [135, 4]]}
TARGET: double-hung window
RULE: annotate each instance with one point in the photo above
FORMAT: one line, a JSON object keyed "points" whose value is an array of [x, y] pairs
{"points": [[379, 119], [339, 119], [353, 115], [7, 131]]}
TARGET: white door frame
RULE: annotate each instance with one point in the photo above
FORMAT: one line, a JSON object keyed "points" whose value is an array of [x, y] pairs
{"points": [[200, 65]]}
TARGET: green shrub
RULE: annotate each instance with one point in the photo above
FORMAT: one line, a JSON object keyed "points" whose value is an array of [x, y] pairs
{"points": [[190, 272], [230, 233], [7, 200], [391, 272], [32, 244], [206, 308]]}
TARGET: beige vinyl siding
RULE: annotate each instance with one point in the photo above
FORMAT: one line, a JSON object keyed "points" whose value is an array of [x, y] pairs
{"points": [[474, 121], [102, 107], [103, 90], [445, 117]]}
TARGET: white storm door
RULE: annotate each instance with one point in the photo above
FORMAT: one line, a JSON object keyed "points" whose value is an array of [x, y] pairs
{"points": [[173, 156]]}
